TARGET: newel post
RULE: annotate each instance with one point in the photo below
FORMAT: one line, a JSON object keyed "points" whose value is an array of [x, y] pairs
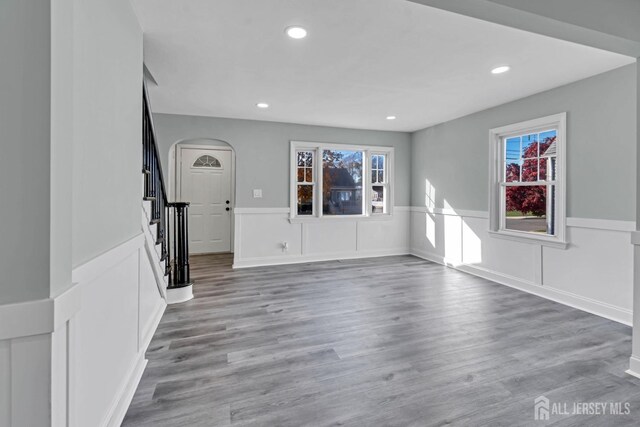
{"points": [[181, 275]]}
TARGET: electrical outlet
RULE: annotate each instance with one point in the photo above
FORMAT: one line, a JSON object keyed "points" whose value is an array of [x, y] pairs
{"points": [[257, 193]]}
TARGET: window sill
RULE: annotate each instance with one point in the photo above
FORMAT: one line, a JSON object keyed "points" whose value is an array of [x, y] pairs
{"points": [[530, 239], [302, 219]]}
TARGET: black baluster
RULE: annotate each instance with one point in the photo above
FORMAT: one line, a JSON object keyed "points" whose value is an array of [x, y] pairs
{"points": [[168, 263], [180, 238], [181, 275], [153, 176], [186, 267]]}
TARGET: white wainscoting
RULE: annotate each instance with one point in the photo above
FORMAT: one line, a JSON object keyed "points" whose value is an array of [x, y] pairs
{"points": [[32, 381], [595, 273], [76, 359], [111, 330], [261, 232], [25, 378]]}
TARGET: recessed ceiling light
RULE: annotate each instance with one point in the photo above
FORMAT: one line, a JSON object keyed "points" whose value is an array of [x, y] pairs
{"points": [[501, 69], [262, 105], [296, 32], [391, 117]]}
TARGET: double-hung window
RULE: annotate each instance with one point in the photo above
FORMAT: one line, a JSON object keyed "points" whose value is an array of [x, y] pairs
{"points": [[379, 183], [528, 180], [335, 180], [305, 182]]}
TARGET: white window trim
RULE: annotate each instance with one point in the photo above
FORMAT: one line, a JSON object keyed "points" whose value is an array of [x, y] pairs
{"points": [[496, 136], [317, 148]]}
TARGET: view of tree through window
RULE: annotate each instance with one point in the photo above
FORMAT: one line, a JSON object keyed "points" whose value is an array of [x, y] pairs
{"points": [[305, 181], [342, 182], [331, 180], [379, 183], [529, 182]]}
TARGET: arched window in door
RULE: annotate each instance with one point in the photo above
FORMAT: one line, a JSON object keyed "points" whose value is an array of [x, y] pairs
{"points": [[207, 161]]}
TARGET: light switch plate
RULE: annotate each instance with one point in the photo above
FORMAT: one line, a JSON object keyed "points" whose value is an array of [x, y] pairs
{"points": [[257, 193]]}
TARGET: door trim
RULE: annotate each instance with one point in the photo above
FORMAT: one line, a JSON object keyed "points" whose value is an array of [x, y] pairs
{"points": [[177, 169]]}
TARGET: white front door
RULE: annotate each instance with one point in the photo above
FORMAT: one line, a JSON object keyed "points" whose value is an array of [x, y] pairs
{"points": [[205, 182]]}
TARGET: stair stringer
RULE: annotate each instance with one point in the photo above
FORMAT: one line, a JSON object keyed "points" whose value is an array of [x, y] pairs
{"points": [[151, 249]]}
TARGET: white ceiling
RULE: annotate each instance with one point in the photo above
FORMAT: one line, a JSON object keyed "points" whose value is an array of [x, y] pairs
{"points": [[362, 61]]}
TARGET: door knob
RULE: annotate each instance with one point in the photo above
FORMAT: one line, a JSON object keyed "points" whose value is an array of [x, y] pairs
{"points": [[227, 202], [228, 209]]}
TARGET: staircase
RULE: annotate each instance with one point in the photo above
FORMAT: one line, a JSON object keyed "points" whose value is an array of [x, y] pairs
{"points": [[165, 223]]}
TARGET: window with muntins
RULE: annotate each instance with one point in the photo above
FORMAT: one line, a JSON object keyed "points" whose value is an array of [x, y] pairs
{"points": [[334, 180], [305, 183], [529, 182], [207, 161], [379, 183], [528, 199]]}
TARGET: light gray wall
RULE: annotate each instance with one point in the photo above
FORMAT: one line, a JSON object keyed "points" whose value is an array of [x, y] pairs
{"points": [[61, 179], [638, 151], [620, 18], [601, 148], [107, 182], [25, 87], [262, 151], [70, 117], [604, 24]]}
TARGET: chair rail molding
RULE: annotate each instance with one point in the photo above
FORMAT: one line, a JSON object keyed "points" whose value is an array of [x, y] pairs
{"points": [[38, 317]]}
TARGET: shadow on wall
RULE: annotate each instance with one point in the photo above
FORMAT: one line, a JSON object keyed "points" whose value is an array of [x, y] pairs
{"points": [[448, 235]]}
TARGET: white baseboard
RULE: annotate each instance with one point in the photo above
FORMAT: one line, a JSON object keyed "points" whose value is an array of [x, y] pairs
{"points": [[147, 333], [589, 305], [300, 259], [438, 259], [154, 258], [634, 367], [123, 399]]}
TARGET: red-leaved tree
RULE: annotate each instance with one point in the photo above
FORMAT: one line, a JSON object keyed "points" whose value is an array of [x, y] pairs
{"points": [[529, 199]]}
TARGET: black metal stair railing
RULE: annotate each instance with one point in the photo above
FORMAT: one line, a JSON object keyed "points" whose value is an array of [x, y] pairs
{"points": [[176, 257]]}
